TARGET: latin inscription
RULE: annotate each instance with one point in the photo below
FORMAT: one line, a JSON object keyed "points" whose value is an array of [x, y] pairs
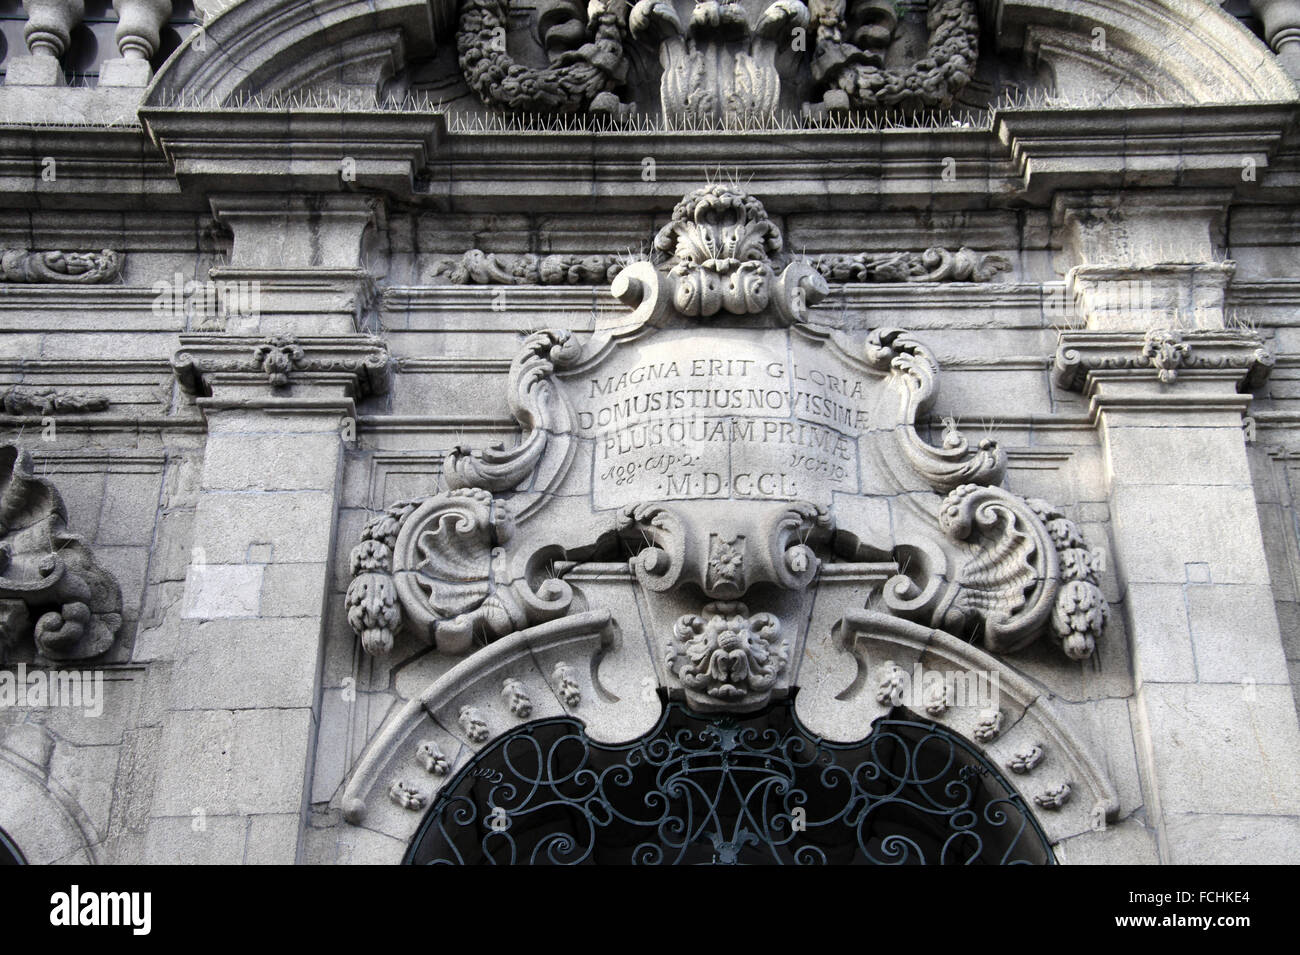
{"points": [[758, 423]]}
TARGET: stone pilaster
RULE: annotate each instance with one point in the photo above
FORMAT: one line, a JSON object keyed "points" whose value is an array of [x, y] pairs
{"points": [[1217, 730], [239, 734], [300, 258]]}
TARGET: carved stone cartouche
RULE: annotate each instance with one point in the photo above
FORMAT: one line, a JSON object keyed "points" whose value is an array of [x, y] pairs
{"points": [[718, 479]]}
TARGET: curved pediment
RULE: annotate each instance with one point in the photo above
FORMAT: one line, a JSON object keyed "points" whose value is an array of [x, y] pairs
{"points": [[774, 61]]}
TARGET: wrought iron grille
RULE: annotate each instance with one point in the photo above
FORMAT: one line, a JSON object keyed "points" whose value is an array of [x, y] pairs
{"points": [[756, 789]]}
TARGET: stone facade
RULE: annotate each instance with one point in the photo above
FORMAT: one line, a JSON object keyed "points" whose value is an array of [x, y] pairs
{"points": [[379, 378]]}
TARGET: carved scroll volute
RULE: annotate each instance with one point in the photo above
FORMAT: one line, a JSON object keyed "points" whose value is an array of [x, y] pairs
{"points": [[916, 372], [1028, 571], [443, 565], [724, 551], [536, 405], [48, 574], [1012, 575]]}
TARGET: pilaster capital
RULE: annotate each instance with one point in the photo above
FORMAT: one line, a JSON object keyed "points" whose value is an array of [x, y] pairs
{"points": [[325, 373], [1164, 369]]}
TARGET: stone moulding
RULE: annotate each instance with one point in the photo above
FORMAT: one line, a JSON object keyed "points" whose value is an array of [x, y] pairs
{"points": [[1029, 721], [60, 268], [52, 589], [477, 267], [359, 361], [587, 644], [1168, 354], [932, 265]]}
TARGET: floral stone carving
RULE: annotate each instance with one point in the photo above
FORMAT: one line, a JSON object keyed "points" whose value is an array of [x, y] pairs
{"points": [[52, 589], [727, 659], [718, 251], [67, 268]]}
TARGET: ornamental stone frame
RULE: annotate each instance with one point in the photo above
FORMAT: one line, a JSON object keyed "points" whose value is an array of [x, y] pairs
{"points": [[412, 371]]}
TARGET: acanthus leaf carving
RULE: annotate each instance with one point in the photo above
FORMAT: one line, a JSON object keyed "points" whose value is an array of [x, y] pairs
{"points": [[477, 267], [1027, 570], [933, 265], [63, 268], [24, 400], [47, 573], [717, 70]]}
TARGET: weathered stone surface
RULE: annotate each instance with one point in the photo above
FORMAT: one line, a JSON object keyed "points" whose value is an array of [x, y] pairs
{"points": [[406, 385]]}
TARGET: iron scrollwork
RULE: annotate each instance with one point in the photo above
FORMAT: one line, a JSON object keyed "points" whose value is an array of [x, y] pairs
{"points": [[756, 789]]}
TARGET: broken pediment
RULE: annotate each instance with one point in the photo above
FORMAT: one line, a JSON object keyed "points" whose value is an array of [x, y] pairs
{"points": [[734, 468]]}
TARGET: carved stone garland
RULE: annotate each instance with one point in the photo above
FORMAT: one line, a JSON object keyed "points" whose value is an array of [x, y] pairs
{"points": [[579, 79], [52, 589], [67, 268], [855, 78]]}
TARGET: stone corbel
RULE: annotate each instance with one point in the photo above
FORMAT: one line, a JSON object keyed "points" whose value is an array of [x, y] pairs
{"points": [[281, 371]]}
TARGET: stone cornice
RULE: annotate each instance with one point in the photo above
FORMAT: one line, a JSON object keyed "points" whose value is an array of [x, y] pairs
{"points": [[1148, 146], [309, 150], [1162, 356], [359, 363]]}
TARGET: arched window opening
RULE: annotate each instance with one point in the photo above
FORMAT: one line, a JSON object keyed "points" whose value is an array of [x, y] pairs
{"points": [[756, 789]]}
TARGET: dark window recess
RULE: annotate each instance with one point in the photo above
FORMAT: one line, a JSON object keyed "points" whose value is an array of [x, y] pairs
{"points": [[749, 790], [9, 853]]}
